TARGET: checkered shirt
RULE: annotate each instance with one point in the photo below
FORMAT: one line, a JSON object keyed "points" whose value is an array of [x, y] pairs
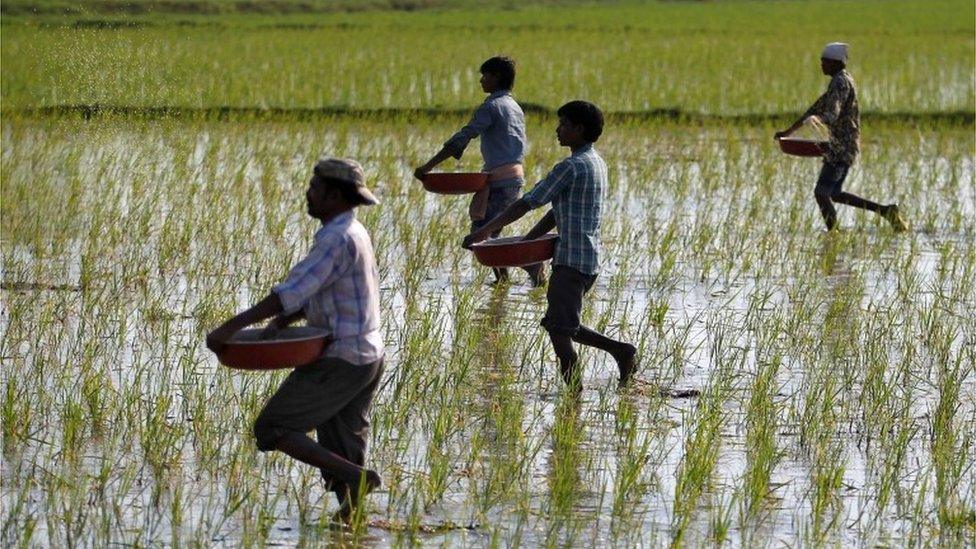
{"points": [[337, 287], [576, 186]]}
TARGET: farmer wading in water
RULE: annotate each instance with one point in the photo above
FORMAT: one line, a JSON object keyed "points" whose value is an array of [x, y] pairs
{"points": [[336, 288], [576, 188], [500, 123], [838, 109]]}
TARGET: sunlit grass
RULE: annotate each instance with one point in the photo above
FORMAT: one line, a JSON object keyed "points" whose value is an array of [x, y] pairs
{"points": [[718, 58], [836, 371]]}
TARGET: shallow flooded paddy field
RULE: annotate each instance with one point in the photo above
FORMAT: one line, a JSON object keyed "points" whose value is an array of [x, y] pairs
{"points": [[794, 387]]}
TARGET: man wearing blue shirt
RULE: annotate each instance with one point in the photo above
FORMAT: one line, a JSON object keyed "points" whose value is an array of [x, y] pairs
{"points": [[500, 123], [576, 188]]}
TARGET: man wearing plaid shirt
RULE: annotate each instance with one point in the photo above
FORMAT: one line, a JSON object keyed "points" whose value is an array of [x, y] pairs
{"points": [[336, 288], [576, 187]]}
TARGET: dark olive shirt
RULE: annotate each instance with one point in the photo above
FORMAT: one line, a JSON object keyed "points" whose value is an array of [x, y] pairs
{"points": [[838, 109]]}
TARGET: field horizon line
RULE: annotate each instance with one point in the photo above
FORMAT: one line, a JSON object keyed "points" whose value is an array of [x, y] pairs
{"points": [[230, 113]]}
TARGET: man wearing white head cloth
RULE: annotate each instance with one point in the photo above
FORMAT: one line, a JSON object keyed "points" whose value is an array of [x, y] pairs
{"points": [[837, 109]]}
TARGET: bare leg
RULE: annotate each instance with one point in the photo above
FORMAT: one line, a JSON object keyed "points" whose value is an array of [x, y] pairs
{"points": [[350, 497], [306, 450], [563, 345], [856, 201], [501, 273], [536, 274], [623, 353], [826, 210]]}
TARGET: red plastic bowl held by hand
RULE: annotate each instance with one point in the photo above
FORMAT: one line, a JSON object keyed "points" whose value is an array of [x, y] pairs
{"points": [[291, 347], [801, 147], [455, 183], [514, 252]]}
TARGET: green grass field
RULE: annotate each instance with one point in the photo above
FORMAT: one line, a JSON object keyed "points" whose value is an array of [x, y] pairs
{"points": [[836, 372], [731, 58]]}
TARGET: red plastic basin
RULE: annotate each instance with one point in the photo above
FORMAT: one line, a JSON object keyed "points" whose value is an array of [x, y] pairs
{"points": [[512, 251], [801, 147], [291, 347], [455, 183]]}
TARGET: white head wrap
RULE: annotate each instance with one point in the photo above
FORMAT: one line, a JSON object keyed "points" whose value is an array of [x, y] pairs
{"points": [[836, 51]]}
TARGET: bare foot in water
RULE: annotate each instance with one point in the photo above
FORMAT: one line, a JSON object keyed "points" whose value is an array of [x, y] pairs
{"points": [[371, 481], [626, 363]]}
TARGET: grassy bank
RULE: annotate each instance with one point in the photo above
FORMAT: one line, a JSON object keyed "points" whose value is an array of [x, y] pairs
{"points": [[725, 59]]}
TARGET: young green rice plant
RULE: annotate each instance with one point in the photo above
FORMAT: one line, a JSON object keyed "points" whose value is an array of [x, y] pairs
{"points": [[720, 521], [635, 457], [16, 414], [565, 462], [762, 454], [18, 522], [438, 463], [822, 416], [895, 455], [951, 450], [702, 442], [471, 380]]}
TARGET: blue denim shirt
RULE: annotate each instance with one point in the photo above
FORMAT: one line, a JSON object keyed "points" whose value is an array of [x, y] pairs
{"points": [[576, 186], [500, 123]]}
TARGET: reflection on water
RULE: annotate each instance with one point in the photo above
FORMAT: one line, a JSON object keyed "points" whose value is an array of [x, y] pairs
{"points": [[713, 264]]}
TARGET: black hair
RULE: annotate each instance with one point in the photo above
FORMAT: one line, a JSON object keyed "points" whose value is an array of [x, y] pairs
{"points": [[502, 67], [345, 188], [586, 114]]}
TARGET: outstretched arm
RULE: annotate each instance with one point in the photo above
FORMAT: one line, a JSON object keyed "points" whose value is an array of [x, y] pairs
{"points": [[455, 146], [510, 215], [542, 193], [446, 152], [543, 226], [817, 107], [795, 126], [266, 308], [826, 108]]}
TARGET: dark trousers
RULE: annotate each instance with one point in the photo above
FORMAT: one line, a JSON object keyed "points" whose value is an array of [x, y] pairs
{"points": [[829, 189], [498, 199], [331, 396]]}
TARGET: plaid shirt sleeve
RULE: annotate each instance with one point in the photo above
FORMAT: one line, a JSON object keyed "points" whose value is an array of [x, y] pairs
{"points": [[554, 183], [320, 268], [479, 123]]}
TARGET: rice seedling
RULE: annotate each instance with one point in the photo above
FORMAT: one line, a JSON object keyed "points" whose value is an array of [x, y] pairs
{"points": [[458, 344], [835, 371]]}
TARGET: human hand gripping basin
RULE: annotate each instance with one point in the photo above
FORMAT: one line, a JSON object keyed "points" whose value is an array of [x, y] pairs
{"points": [[289, 348], [514, 251], [455, 183]]}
